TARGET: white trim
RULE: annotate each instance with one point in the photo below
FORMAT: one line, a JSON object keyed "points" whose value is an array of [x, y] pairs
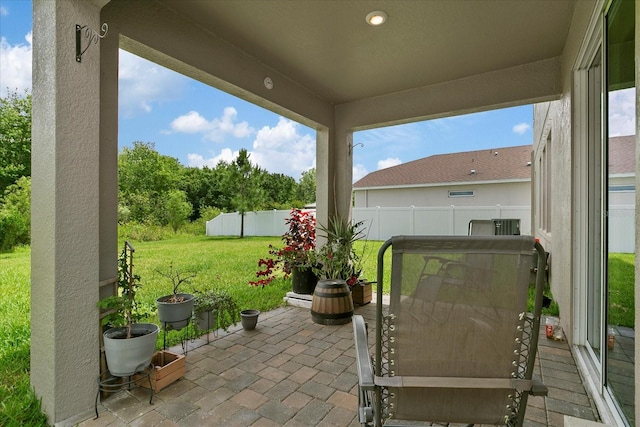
{"points": [[442, 184], [593, 37], [580, 191], [587, 371]]}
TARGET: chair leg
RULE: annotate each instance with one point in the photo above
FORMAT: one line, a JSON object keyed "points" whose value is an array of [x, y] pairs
{"points": [[365, 410]]}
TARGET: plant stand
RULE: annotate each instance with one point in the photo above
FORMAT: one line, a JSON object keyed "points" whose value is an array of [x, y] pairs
{"points": [[112, 384], [183, 340], [206, 321]]}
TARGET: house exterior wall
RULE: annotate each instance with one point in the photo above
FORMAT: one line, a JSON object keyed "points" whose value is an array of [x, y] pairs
{"points": [[555, 128], [507, 194]]}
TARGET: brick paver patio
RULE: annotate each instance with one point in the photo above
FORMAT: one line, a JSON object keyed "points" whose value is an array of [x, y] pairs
{"points": [[293, 372]]}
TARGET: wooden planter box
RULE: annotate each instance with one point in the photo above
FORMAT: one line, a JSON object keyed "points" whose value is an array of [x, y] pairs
{"points": [[167, 368], [361, 293]]}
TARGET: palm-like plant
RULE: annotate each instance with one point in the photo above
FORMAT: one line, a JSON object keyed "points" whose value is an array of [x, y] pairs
{"points": [[337, 258]]}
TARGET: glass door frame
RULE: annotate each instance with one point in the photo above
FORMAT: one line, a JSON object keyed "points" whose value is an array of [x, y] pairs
{"points": [[594, 362]]}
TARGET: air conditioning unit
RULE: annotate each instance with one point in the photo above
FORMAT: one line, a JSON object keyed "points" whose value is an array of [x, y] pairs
{"points": [[506, 227]]}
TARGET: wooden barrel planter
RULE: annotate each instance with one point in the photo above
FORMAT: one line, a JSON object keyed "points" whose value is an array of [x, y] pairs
{"points": [[332, 303]]}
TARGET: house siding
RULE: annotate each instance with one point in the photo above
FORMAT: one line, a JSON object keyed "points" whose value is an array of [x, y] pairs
{"points": [[504, 193]]}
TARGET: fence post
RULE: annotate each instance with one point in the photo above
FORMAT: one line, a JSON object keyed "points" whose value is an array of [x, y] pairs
{"points": [[453, 219], [378, 220], [413, 219], [273, 222]]}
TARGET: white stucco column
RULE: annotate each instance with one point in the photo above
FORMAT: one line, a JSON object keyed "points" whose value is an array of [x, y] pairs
{"points": [[334, 171], [108, 167], [324, 170], [65, 206]]}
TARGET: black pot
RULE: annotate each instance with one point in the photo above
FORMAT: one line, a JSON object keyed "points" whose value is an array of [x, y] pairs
{"points": [[249, 319], [303, 281]]}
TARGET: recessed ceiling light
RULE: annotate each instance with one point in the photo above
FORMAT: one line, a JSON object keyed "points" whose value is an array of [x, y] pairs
{"points": [[376, 18]]}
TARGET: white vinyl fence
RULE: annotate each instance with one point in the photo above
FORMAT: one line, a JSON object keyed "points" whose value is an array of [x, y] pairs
{"points": [[382, 223]]}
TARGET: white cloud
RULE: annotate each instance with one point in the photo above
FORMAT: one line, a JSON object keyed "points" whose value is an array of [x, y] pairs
{"points": [[15, 66], [192, 122], [521, 128], [282, 149], [388, 162], [359, 172], [622, 112], [3, 11], [143, 84], [278, 149], [198, 161], [216, 129]]}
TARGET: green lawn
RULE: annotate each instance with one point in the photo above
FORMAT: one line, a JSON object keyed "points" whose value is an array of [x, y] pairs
{"points": [[225, 263], [18, 405], [621, 282]]}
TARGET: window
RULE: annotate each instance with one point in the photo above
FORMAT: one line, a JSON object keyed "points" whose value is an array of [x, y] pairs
{"points": [[544, 186]]}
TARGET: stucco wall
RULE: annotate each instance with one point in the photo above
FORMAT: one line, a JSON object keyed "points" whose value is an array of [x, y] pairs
{"points": [[553, 121]]}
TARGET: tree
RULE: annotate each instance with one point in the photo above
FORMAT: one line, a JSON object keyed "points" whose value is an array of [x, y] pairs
{"points": [[279, 190], [306, 190], [144, 179], [15, 214], [15, 139], [178, 209], [204, 187], [243, 183]]}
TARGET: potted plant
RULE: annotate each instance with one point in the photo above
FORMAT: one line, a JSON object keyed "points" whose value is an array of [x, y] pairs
{"points": [[214, 309], [296, 257], [129, 346], [338, 266], [175, 310]]}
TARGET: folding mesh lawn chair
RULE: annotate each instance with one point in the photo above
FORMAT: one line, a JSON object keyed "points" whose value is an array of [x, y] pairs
{"points": [[456, 343]]}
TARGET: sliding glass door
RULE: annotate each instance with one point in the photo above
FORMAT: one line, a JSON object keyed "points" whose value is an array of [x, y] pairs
{"points": [[618, 334]]}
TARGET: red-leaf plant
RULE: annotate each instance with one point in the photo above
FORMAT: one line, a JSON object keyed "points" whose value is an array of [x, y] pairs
{"points": [[298, 251]]}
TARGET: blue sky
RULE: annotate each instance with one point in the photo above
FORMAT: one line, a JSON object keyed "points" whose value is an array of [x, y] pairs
{"points": [[200, 125]]}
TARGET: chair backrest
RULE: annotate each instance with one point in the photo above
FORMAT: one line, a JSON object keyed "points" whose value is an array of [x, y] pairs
{"points": [[458, 328]]}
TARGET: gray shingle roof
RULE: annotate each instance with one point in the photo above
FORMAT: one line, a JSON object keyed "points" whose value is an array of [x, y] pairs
{"points": [[622, 154], [497, 164]]}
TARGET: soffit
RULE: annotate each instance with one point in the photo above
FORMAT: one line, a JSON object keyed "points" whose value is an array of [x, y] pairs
{"points": [[327, 47]]}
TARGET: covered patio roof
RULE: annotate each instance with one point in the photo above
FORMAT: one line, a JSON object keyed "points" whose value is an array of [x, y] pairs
{"points": [[326, 51]]}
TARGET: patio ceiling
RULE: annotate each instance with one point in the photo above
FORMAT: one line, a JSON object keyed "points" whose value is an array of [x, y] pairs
{"points": [[327, 48]]}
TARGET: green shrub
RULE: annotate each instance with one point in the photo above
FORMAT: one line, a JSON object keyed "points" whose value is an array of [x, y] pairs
{"points": [[15, 215], [134, 231]]}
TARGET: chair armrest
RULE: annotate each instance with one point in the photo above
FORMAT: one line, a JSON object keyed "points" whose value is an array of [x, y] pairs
{"points": [[538, 388], [363, 359]]}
